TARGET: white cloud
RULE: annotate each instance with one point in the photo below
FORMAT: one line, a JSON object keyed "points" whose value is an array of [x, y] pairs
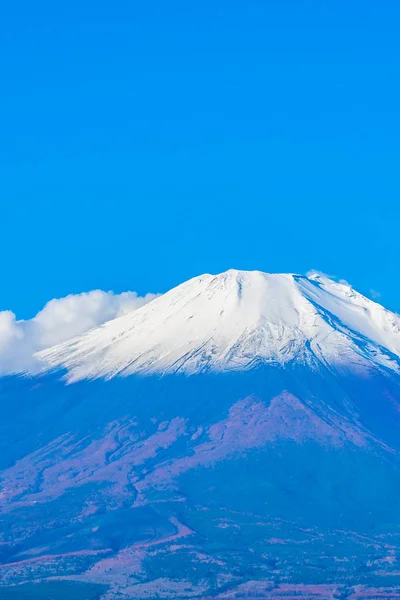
{"points": [[374, 294], [314, 274], [60, 319]]}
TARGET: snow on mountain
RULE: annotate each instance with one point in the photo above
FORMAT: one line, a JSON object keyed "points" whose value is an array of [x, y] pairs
{"points": [[234, 320]]}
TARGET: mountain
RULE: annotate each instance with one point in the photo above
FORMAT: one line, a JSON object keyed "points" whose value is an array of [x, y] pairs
{"points": [[237, 437]]}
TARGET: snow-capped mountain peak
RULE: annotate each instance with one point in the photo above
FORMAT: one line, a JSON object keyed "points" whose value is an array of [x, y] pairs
{"points": [[233, 320]]}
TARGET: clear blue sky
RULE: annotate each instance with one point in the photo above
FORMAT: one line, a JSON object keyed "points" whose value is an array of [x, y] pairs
{"points": [[143, 143]]}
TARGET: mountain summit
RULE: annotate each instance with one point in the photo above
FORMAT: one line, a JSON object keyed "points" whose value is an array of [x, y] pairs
{"points": [[233, 321]]}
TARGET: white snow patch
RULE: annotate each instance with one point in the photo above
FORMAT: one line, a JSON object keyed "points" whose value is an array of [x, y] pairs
{"points": [[234, 320]]}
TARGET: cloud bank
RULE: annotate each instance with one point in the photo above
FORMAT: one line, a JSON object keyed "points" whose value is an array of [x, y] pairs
{"points": [[60, 319]]}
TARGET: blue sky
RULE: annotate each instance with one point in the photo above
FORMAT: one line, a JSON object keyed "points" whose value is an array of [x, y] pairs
{"points": [[145, 143]]}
